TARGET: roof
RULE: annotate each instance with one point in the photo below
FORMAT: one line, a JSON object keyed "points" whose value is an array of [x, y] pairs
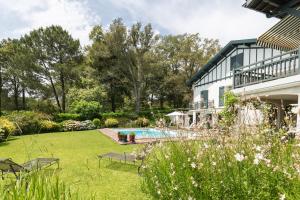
{"points": [[273, 8], [285, 35], [221, 54]]}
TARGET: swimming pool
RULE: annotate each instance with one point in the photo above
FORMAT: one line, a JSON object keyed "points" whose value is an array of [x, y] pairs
{"points": [[150, 132]]}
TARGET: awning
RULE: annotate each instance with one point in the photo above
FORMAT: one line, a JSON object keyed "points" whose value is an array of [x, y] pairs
{"points": [[285, 35]]}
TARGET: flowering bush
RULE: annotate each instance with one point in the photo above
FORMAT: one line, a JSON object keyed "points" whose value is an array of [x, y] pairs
{"points": [[244, 167], [49, 126], [6, 128], [71, 125], [111, 122], [28, 122]]}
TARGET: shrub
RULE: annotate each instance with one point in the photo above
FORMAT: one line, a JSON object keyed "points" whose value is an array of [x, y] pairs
{"points": [[250, 167], [6, 128], [66, 116], [71, 125], [28, 122], [86, 109], [97, 122], [49, 126], [111, 122], [142, 122]]}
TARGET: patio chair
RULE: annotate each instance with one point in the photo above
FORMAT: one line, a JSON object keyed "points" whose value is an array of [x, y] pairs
{"points": [[127, 157], [9, 166]]}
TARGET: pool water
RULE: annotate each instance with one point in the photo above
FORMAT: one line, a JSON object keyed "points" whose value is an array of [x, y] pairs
{"points": [[149, 133]]}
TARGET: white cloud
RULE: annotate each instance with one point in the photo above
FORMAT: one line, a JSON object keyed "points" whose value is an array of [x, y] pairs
{"points": [[73, 16], [224, 20]]}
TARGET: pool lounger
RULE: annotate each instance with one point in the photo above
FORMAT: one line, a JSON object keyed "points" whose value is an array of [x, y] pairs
{"points": [[9, 166]]}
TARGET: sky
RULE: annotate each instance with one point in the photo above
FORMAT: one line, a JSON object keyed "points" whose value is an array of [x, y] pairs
{"points": [[218, 19]]}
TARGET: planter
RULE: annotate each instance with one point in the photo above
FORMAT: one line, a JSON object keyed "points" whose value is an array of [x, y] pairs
{"points": [[132, 138], [123, 138]]}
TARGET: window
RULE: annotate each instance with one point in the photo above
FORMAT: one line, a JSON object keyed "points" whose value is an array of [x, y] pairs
{"points": [[221, 96], [237, 61], [204, 98]]}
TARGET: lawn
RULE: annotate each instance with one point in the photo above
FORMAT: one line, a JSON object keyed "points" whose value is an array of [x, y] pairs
{"points": [[77, 152]]}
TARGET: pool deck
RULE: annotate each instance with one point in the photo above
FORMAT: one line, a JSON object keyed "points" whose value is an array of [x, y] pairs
{"points": [[113, 134]]}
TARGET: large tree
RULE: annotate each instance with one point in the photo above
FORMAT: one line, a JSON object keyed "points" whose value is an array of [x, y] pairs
{"points": [[141, 41], [57, 55], [106, 55]]}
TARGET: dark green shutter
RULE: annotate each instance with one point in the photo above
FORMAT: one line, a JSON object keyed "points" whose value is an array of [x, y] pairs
{"points": [[221, 96]]}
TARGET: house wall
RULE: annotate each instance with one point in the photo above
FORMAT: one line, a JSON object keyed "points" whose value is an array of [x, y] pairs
{"points": [[221, 75]]}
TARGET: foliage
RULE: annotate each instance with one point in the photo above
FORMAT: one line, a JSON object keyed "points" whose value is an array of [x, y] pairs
{"points": [[97, 122], [66, 116], [49, 126], [229, 112], [86, 109], [111, 122], [27, 122], [39, 186], [248, 167], [71, 125], [142, 122], [6, 128]]}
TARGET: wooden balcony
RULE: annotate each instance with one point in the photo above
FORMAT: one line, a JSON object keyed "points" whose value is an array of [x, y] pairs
{"points": [[283, 65]]}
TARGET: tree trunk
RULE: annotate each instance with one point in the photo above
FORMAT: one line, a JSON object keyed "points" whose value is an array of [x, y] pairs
{"points": [[55, 94], [23, 99], [112, 98], [161, 102], [63, 90], [16, 95]]}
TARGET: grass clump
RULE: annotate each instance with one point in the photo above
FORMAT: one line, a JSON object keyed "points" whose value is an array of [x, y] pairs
{"points": [[38, 186]]}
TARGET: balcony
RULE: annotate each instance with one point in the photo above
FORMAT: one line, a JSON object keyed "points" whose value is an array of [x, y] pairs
{"points": [[202, 105], [281, 66]]}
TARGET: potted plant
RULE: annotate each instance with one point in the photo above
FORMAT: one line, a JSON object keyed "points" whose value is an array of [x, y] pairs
{"points": [[132, 137]]}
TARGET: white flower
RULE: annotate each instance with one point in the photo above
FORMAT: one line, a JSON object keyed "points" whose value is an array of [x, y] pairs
{"points": [[193, 165], [239, 157], [205, 146], [258, 148], [214, 163], [175, 188], [282, 197], [259, 156], [256, 161], [158, 192]]}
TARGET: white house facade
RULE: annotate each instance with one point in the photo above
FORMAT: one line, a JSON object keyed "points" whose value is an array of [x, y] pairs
{"points": [[267, 68], [217, 76]]}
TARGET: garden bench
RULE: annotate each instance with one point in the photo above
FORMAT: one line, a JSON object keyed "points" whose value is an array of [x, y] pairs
{"points": [[9, 166]]}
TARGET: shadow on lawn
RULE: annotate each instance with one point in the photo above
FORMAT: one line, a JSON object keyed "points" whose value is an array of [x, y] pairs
{"points": [[125, 167]]}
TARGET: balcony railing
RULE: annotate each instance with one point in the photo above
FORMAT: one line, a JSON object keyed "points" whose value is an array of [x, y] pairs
{"points": [[283, 65], [202, 105]]}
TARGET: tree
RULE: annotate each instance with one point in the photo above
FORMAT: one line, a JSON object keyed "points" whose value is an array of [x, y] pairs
{"points": [[57, 54], [17, 70], [106, 55], [140, 43]]}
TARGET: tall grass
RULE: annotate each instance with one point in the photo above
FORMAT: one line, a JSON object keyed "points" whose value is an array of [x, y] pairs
{"points": [[248, 167], [38, 187]]}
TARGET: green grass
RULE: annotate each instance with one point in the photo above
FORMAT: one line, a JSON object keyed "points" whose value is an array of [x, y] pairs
{"points": [[77, 152]]}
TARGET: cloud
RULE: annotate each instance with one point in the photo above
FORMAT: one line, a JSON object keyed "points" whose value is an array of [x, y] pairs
{"points": [[224, 20], [74, 16]]}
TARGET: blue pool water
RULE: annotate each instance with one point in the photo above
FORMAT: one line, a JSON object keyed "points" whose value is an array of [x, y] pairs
{"points": [[149, 133]]}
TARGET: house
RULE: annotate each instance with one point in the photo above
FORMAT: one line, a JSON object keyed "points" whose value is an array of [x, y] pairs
{"points": [[267, 67]]}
